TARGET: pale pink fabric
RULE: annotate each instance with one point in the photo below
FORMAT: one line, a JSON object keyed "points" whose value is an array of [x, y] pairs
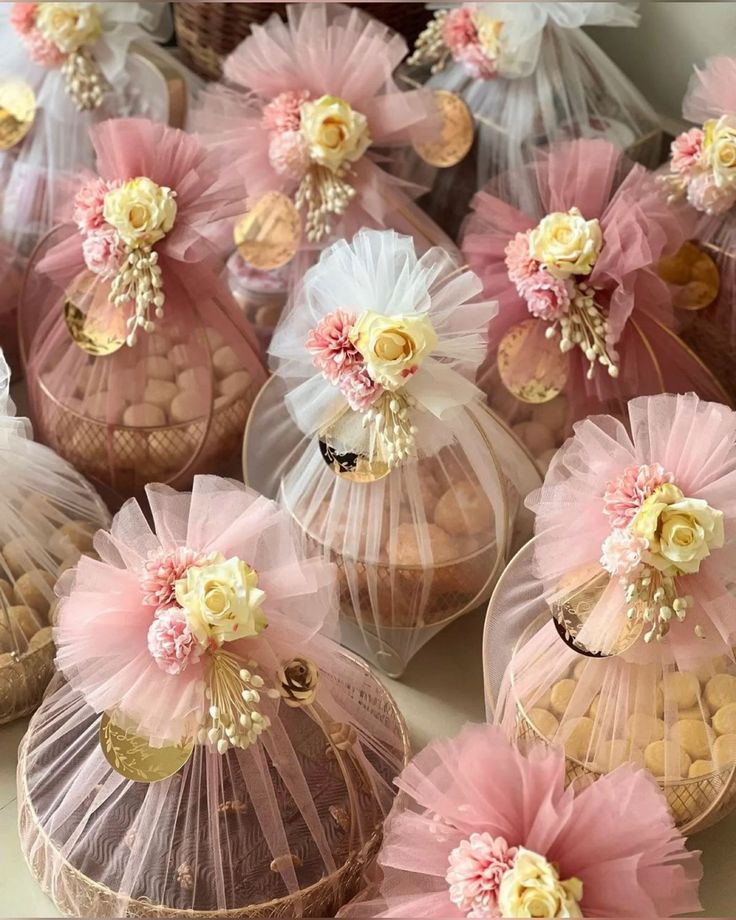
{"points": [[711, 91], [638, 229], [616, 836]]}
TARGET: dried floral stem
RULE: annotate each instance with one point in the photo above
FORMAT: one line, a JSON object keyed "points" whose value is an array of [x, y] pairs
{"points": [[389, 416], [323, 192], [586, 327], [85, 82], [139, 281], [430, 47]]}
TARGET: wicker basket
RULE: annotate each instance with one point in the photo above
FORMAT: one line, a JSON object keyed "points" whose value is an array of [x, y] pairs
{"points": [[208, 32]]}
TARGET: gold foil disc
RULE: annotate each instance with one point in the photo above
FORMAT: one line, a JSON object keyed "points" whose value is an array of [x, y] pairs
{"points": [[530, 365], [134, 758], [17, 111], [457, 132], [354, 467], [268, 236], [694, 274], [96, 325]]}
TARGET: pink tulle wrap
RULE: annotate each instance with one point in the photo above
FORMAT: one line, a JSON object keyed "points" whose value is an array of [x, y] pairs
{"points": [[637, 229], [616, 835], [324, 49]]}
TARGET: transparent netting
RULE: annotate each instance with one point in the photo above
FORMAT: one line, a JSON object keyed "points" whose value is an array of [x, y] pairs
{"points": [[50, 514], [550, 82], [280, 825]]}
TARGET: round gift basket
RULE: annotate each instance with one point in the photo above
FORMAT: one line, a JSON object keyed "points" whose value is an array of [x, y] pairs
{"points": [[49, 518], [262, 295]]}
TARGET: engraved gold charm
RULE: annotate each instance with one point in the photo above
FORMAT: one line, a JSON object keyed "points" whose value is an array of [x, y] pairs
{"points": [[694, 274], [530, 365], [456, 137], [135, 759], [354, 467], [17, 111], [269, 235], [94, 322]]}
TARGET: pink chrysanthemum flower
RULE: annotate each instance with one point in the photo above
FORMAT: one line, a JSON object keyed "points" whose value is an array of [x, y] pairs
{"points": [[359, 388], [546, 297], [103, 251], [23, 17], [476, 62], [283, 113], [622, 551], [519, 262], [329, 344], [624, 496], [171, 642], [704, 195], [477, 866], [459, 29], [42, 50], [89, 204], [164, 569], [686, 151], [289, 154]]}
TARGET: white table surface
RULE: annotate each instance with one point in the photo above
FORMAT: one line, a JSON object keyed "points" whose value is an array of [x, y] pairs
{"points": [[442, 689]]}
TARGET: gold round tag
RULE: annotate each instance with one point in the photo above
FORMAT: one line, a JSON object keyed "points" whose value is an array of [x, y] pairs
{"points": [[268, 236], [17, 111], [354, 467], [94, 322], [134, 758], [694, 273], [457, 133], [530, 365]]}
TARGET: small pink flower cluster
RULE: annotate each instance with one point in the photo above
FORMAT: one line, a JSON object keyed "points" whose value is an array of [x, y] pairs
{"points": [[287, 149], [476, 868], [339, 361], [622, 550], [102, 247], [460, 34], [40, 49], [546, 297], [690, 173], [170, 640]]}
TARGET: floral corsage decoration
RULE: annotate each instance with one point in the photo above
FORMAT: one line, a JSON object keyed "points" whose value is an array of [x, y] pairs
{"points": [[550, 266], [703, 166], [465, 35], [62, 35]]}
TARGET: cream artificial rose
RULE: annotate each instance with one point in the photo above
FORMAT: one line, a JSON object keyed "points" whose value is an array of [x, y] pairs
{"points": [[680, 531], [566, 243], [719, 149], [141, 211], [392, 347], [335, 133], [489, 34], [222, 601], [69, 25], [532, 888]]}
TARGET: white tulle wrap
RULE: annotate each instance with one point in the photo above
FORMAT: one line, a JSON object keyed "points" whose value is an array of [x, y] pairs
{"points": [[38, 174]]}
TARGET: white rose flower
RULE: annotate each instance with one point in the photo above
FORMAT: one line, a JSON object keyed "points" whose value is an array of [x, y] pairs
{"points": [[222, 601], [566, 243], [393, 347], [69, 25], [719, 149], [141, 211], [680, 531], [335, 133], [532, 888]]}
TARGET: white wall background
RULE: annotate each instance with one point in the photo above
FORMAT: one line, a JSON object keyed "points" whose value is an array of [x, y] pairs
{"points": [[659, 55]]}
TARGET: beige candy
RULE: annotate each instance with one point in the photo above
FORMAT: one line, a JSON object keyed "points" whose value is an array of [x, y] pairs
{"points": [[580, 666], [157, 344], [268, 315], [17, 556], [159, 393], [642, 728], [552, 415], [6, 589], [695, 713], [536, 436], [189, 405], [614, 753], [694, 737], [156, 366], [106, 407], [144, 415], [665, 758], [435, 546], [40, 638], [225, 361], [724, 720], [720, 691], [464, 509], [73, 535], [23, 620], [39, 508], [541, 700], [545, 458], [578, 734], [180, 356], [35, 589], [214, 338], [234, 385], [700, 768], [6, 660], [70, 560], [544, 722], [724, 750], [708, 669], [682, 688], [561, 694], [194, 378], [593, 708]]}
